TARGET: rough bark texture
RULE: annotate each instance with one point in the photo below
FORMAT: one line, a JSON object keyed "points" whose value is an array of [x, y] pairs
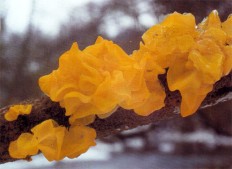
{"points": [[44, 108]]}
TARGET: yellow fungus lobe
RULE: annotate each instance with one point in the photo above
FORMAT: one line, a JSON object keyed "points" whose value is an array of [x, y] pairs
{"points": [[16, 110], [54, 141], [149, 95], [171, 38], [24, 146]]}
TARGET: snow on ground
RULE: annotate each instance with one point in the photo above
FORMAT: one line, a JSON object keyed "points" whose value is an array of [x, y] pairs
{"points": [[101, 152], [130, 160], [106, 156]]}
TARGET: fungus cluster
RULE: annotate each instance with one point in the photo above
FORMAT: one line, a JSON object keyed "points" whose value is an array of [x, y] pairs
{"points": [[102, 77], [196, 56], [54, 141]]}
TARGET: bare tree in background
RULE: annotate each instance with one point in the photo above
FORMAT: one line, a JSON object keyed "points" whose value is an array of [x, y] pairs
{"points": [[199, 8]]}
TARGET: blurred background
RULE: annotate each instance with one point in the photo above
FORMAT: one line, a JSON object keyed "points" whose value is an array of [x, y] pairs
{"points": [[34, 33]]}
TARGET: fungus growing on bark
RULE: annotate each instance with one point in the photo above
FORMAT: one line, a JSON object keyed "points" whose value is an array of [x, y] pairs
{"points": [[196, 55], [102, 77], [16, 110], [99, 78], [54, 141]]}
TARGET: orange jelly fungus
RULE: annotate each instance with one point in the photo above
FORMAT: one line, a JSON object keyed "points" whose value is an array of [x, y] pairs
{"points": [[16, 110], [197, 56], [54, 141], [100, 78], [24, 146]]}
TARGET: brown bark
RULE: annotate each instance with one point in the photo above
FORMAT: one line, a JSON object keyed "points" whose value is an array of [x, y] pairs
{"points": [[44, 108]]}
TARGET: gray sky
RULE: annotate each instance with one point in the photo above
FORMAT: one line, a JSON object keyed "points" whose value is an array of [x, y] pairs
{"points": [[49, 14], [18, 13]]}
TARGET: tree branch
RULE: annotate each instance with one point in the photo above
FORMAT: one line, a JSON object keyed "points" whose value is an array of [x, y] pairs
{"points": [[44, 108]]}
